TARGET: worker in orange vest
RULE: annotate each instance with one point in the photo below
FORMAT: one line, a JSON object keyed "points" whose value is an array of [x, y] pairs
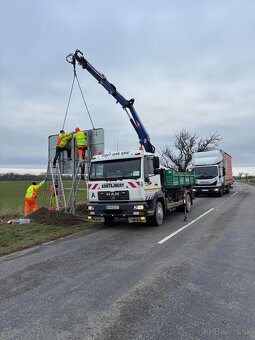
{"points": [[81, 142], [30, 197], [62, 140]]}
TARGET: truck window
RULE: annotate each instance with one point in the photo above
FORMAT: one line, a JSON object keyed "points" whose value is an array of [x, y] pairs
{"points": [[116, 169], [206, 172], [148, 167]]}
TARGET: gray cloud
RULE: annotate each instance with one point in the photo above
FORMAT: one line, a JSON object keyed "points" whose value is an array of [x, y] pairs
{"points": [[188, 65]]}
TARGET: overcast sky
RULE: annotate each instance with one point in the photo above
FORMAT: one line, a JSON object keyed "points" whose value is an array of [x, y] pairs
{"points": [[188, 64]]}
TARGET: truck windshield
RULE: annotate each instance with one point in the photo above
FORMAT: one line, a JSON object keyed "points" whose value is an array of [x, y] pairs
{"points": [[116, 169], [206, 172]]}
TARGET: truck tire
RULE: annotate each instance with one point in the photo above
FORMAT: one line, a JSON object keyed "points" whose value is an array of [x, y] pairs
{"points": [[187, 205], [220, 194], [158, 217]]}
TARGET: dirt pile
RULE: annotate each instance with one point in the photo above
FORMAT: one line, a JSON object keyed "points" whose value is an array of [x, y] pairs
{"points": [[58, 218], [81, 210]]}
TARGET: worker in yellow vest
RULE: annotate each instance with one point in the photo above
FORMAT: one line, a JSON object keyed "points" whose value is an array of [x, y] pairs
{"points": [[81, 142], [30, 197], [53, 198], [61, 146]]}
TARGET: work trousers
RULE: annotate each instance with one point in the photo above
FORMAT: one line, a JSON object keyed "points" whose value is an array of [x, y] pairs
{"points": [[29, 203], [58, 152], [81, 151]]}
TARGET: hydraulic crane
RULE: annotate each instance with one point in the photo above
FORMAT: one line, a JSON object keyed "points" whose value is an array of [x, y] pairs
{"points": [[143, 135]]}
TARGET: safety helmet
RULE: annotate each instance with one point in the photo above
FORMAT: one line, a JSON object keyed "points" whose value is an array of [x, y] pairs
{"points": [[77, 129]]}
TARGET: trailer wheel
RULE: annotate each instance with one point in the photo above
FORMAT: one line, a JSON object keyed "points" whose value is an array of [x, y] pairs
{"points": [[158, 217]]}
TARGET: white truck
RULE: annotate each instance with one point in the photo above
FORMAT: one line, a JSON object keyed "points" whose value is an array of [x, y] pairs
{"points": [[130, 184], [213, 171]]}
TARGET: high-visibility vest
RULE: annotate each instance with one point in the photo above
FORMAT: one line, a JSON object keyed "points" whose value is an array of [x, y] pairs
{"points": [[80, 138], [32, 190], [63, 138]]}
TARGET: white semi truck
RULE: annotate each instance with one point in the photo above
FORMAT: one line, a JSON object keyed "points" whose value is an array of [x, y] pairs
{"points": [[213, 171]]}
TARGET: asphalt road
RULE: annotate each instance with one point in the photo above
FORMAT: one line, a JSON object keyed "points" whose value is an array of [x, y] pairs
{"points": [[140, 282]]}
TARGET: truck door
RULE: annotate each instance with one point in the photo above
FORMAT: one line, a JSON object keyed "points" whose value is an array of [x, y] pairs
{"points": [[151, 181]]}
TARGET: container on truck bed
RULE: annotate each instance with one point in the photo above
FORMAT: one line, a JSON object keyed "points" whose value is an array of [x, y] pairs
{"points": [[213, 170]]}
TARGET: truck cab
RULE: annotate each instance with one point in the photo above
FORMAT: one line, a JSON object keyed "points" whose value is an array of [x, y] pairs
{"points": [[213, 171], [123, 184]]}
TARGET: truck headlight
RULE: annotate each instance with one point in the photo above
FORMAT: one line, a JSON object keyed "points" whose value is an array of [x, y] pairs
{"points": [[139, 207], [90, 207]]}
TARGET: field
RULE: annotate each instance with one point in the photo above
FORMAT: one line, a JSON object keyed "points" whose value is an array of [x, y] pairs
{"points": [[250, 181], [12, 194], [15, 237]]}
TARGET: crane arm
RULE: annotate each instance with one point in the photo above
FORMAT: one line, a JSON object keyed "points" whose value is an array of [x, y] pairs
{"points": [[127, 105]]}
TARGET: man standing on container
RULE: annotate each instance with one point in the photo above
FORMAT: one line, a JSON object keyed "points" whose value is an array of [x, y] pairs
{"points": [[30, 197], [61, 146]]}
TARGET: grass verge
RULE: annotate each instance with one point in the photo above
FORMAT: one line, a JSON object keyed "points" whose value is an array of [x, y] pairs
{"points": [[248, 181], [15, 237]]}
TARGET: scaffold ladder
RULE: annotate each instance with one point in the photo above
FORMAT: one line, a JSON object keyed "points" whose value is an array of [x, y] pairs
{"points": [[58, 187], [77, 176]]}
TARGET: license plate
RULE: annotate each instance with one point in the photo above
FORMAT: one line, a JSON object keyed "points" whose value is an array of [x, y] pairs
{"points": [[205, 189], [112, 207]]}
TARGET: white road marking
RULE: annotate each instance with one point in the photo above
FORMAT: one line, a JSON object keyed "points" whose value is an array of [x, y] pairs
{"points": [[234, 194], [186, 226]]}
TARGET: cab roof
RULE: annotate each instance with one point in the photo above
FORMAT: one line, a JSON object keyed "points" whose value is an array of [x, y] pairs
{"points": [[121, 155]]}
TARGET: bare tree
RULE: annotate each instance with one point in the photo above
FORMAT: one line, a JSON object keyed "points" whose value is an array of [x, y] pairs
{"points": [[240, 175], [185, 144], [246, 175]]}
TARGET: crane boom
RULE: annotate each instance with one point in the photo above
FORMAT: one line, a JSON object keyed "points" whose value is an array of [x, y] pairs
{"points": [[143, 135]]}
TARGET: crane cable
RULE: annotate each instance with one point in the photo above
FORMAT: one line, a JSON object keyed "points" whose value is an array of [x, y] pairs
{"points": [[70, 95]]}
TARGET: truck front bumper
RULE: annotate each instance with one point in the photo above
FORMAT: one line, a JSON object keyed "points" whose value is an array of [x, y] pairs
{"points": [[206, 190], [133, 211]]}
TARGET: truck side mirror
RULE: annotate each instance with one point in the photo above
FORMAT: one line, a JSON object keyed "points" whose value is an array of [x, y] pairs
{"points": [[147, 179], [155, 162], [224, 171]]}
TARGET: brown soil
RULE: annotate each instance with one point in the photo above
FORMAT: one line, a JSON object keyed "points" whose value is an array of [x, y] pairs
{"points": [[58, 218], [81, 210]]}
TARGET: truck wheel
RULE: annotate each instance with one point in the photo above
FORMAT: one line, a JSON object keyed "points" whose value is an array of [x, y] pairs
{"points": [[108, 219], [227, 190], [187, 205], [158, 217], [220, 194]]}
